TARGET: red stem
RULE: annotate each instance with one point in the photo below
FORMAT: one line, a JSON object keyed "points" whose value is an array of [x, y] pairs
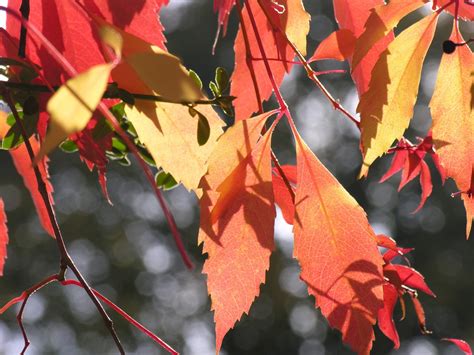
{"points": [[69, 69], [126, 316]]}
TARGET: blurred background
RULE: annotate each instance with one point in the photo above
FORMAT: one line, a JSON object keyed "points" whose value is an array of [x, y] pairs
{"points": [[127, 252]]}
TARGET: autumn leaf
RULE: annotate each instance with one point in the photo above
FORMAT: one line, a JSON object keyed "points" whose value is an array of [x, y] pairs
{"points": [[465, 8], [3, 237], [385, 315], [70, 31], [352, 15], [294, 21], [337, 251], [387, 107], [410, 159], [461, 344], [453, 119], [381, 21], [22, 162], [339, 45], [239, 244], [413, 279], [72, 106], [223, 8], [168, 132]]}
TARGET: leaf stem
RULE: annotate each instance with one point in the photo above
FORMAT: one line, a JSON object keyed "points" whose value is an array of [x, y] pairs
{"points": [[110, 95]]}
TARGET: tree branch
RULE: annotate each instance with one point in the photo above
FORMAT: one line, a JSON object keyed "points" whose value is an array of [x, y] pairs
{"points": [[65, 259]]}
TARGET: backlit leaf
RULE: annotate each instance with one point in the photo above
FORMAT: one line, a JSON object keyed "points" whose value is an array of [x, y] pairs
{"points": [[339, 45], [295, 22], [72, 106], [22, 162], [239, 244], [337, 251], [168, 132], [381, 21], [352, 15], [387, 107], [453, 120], [385, 315]]}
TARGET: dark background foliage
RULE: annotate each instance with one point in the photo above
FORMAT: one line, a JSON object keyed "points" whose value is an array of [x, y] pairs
{"points": [[127, 253]]}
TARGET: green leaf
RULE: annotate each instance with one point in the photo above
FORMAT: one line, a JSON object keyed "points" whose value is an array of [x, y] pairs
{"points": [[165, 181], [203, 129], [124, 161], [222, 79], [14, 138], [119, 145], [196, 78], [214, 89], [68, 146]]}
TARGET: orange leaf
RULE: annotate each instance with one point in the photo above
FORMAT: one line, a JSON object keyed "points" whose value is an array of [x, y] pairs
{"points": [[240, 243], [3, 237], [453, 119], [352, 15], [387, 107], [339, 45], [381, 21], [295, 22], [465, 8], [337, 251]]}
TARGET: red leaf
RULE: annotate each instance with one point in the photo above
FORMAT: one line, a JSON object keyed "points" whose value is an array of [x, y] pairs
{"points": [[240, 243], [461, 344], [337, 251], [276, 49], [339, 45], [22, 162], [391, 254], [92, 151], [398, 162], [385, 315], [420, 314], [283, 197], [223, 7], [69, 30], [3, 237], [352, 15], [413, 279], [426, 184]]}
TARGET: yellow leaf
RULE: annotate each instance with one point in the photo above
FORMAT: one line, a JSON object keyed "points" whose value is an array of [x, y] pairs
{"points": [[148, 69], [453, 118], [72, 106], [387, 106], [169, 133], [297, 24], [112, 38], [164, 75]]}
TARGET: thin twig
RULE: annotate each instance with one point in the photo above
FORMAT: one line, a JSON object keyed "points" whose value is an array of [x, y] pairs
{"points": [[109, 94], [248, 56], [65, 259], [26, 295], [126, 316]]}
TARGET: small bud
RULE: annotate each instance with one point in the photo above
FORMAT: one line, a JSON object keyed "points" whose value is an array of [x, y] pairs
{"points": [[449, 47]]}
